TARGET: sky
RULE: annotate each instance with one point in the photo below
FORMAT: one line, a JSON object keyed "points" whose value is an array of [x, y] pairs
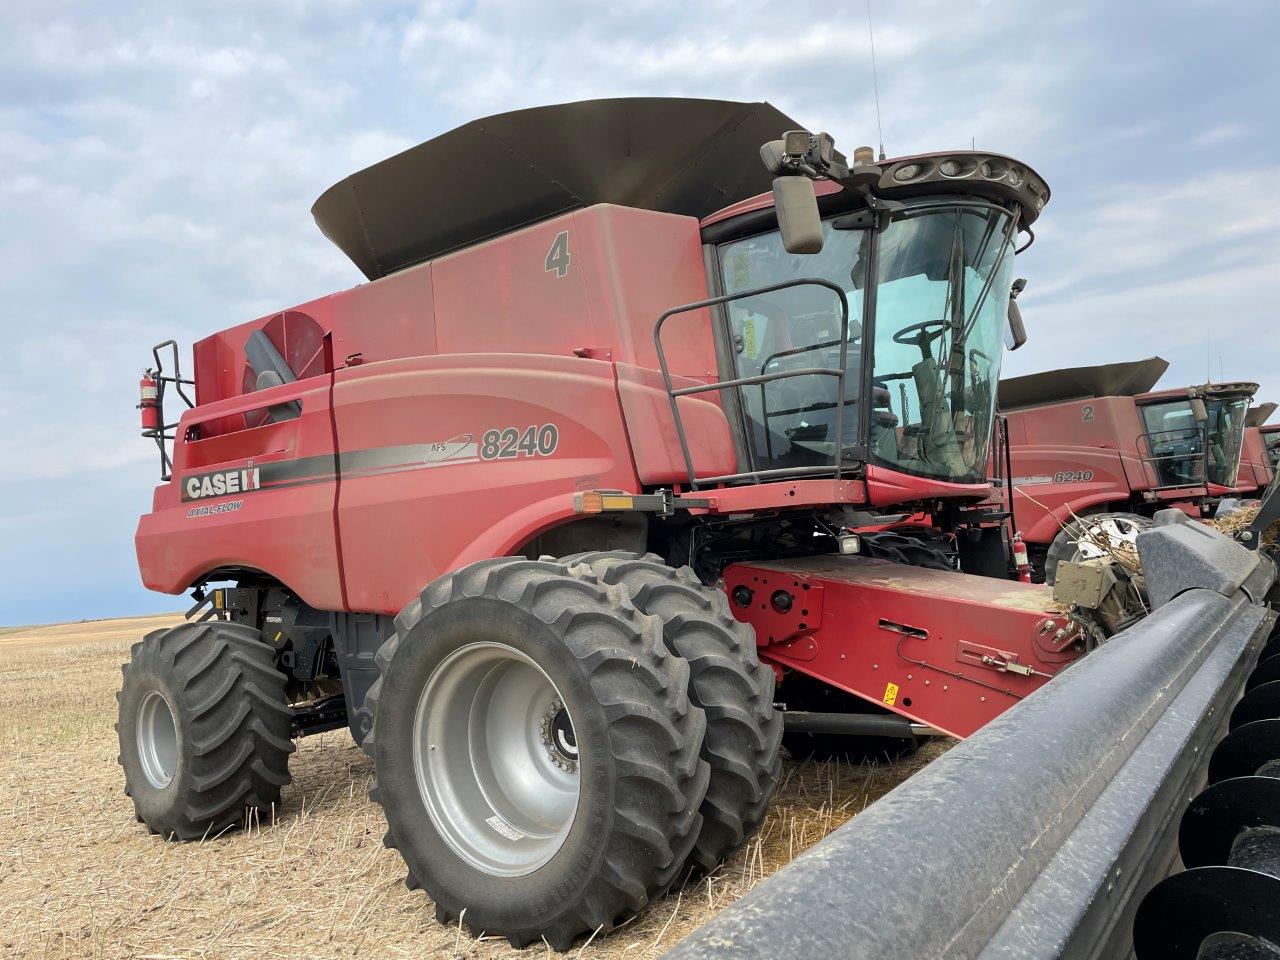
{"points": [[158, 162]]}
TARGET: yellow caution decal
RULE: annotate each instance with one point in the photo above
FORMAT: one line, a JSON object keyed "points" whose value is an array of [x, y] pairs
{"points": [[891, 693]]}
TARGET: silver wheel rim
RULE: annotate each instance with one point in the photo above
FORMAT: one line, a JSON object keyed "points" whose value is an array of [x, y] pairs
{"points": [[1112, 530], [157, 740], [495, 758]]}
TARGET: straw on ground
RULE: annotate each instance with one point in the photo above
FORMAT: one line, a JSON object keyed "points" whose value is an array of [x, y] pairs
{"points": [[81, 879]]}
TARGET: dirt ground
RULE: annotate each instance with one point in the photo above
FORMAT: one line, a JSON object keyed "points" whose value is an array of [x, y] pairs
{"points": [[79, 877]]}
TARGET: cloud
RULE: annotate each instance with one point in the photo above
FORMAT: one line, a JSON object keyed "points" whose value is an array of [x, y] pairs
{"points": [[156, 173]]}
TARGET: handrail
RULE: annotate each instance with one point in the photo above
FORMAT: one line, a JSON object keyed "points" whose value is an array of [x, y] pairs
{"points": [[673, 394], [1151, 459]]}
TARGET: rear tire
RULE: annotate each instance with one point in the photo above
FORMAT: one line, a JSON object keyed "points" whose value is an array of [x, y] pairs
{"points": [[203, 729], [726, 679], [636, 740], [1066, 544]]}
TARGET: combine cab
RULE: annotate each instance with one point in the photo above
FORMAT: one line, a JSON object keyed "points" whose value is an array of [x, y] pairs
{"points": [[1270, 435], [1095, 452], [1257, 458], [592, 498]]}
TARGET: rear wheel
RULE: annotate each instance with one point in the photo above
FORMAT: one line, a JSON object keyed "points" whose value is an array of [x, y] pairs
{"points": [[1086, 537], [537, 756], [726, 679], [203, 728]]}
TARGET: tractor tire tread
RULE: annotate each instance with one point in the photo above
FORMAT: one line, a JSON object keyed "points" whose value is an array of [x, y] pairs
{"points": [[656, 745], [231, 702], [727, 681]]}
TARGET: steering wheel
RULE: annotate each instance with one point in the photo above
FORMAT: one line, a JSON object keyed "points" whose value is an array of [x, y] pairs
{"points": [[925, 332]]}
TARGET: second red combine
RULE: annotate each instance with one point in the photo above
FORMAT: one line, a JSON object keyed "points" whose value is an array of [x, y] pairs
{"points": [[1095, 451]]}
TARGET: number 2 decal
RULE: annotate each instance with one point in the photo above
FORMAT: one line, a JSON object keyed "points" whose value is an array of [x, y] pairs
{"points": [[1086, 413], [558, 256]]}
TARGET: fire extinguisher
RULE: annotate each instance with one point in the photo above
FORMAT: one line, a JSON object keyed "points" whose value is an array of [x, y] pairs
{"points": [[150, 402], [1021, 560]]}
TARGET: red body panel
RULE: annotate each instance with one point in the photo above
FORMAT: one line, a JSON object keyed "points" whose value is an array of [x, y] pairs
{"points": [[910, 639], [406, 522], [284, 529], [1073, 456], [887, 488], [495, 336]]}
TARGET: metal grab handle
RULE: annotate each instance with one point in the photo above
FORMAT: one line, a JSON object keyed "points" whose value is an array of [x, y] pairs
{"points": [[673, 394], [1145, 439]]}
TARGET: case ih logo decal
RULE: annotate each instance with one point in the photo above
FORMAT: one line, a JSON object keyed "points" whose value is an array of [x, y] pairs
{"points": [[199, 486]]}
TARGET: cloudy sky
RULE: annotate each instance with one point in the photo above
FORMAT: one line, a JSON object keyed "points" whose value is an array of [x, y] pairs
{"points": [[158, 162]]}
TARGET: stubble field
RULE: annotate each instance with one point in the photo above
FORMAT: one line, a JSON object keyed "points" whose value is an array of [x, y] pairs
{"points": [[81, 878]]}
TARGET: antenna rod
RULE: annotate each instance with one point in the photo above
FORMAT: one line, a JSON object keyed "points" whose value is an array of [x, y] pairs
{"points": [[875, 80]]}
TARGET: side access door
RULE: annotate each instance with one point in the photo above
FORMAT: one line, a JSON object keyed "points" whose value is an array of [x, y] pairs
{"points": [[254, 475]]}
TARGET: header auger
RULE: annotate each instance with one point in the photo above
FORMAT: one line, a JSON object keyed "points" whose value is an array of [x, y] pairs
{"points": [[638, 458]]}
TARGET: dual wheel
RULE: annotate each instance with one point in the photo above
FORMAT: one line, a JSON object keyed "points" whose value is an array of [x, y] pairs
{"points": [[557, 742]]}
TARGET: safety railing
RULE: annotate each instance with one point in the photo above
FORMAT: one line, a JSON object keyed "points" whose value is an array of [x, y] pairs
{"points": [[164, 433], [674, 393], [1195, 440]]}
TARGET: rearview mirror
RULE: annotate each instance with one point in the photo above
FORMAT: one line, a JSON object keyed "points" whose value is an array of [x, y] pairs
{"points": [[1198, 410], [798, 218], [1015, 332]]}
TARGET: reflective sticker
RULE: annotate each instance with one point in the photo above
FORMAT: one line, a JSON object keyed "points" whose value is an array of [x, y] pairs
{"points": [[891, 693]]}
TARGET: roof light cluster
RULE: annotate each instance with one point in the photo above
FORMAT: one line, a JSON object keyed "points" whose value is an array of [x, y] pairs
{"points": [[991, 173]]}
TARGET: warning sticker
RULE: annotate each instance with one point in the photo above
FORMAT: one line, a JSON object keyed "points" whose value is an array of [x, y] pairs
{"points": [[891, 693], [749, 336]]}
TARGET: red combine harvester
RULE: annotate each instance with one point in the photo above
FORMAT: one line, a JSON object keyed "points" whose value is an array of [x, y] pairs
{"points": [[1094, 452], [604, 453]]}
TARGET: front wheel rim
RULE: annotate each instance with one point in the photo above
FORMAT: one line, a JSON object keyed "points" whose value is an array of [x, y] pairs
{"points": [[496, 759], [157, 740], [1114, 531]]}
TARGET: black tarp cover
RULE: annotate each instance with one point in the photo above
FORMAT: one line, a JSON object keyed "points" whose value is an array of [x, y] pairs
{"points": [[1079, 383], [499, 174]]}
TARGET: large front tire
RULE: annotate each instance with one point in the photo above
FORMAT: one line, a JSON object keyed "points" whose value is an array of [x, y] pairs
{"points": [[203, 729], [500, 679], [726, 679]]}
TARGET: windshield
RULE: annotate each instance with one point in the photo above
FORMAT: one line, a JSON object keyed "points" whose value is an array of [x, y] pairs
{"points": [[1176, 441], [944, 269], [1226, 436], [1272, 441]]}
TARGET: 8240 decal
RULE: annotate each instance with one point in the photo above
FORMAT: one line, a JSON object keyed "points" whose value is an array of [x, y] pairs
{"points": [[507, 443], [1073, 476]]}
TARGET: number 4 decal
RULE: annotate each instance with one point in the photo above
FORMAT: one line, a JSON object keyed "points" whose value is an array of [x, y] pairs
{"points": [[558, 255]]}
